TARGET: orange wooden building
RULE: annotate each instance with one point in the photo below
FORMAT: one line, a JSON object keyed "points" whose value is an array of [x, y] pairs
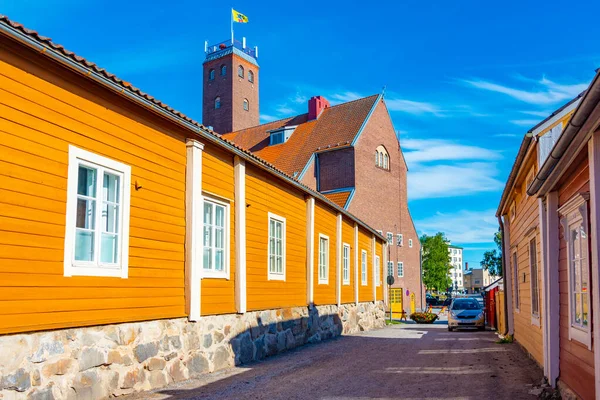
{"points": [[116, 208]]}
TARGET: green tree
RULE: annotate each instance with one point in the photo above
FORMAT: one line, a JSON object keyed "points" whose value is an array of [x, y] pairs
{"points": [[492, 259], [436, 262]]}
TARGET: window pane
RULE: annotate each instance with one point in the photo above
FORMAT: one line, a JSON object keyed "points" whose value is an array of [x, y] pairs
{"points": [[576, 243], [280, 265], [86, 213], [207, 236], [219, 260], [577, 276], [279, 248], [86, 181], [271, 263], [111, 185], [278, 230], [584, 300], [84, 245], [208, 258], [109, 248], [208, 210], [220, 216], [577, 309], [110, 218]]}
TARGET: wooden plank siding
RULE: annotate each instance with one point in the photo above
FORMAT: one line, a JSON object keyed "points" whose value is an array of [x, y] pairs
{"points": [[576, 360], [40, 115], [218, 294], [264, 196], [365, 292], [326, 224], [524, 227], [348, 238]]}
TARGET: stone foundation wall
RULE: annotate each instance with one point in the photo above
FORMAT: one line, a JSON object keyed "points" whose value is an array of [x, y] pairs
{"points": [[113, 360]]}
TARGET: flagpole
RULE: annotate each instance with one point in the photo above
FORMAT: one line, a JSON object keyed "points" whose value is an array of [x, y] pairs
{"points": [[231, 16]]}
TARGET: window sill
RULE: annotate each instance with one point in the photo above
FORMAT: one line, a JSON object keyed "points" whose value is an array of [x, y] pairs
{"points": [[75, 270], [363, 284], [274, 277], [323, 282], [579, 336], [346, 283], [535, 320], [214, 275]]}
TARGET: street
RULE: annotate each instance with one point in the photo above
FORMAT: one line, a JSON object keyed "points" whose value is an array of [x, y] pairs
{"points": [[398, 362]]}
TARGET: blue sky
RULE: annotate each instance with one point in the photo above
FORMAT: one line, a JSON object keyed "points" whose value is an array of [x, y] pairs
{"points": [[464, 79]]}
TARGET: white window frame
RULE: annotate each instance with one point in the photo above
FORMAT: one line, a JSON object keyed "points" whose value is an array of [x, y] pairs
{"points": [[274, 276], [206, 273], [346, 264], [78, 157], [535, 316], [574, 212], [323, 280], [363, 268], [410, 243], [400, 270], [399, 240], [390, 238], [378, 270]]}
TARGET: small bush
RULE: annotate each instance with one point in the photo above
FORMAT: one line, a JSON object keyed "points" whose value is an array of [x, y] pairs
{"points": [[423, 317], [506, 339]]}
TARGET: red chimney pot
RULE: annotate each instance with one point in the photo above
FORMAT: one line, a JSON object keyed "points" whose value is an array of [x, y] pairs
{"points": [[316, 105]]}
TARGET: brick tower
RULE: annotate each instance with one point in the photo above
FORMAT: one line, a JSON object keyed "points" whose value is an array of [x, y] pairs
{"points": [[230, 95]]}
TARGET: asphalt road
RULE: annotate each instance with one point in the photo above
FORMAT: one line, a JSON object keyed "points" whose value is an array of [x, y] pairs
{"points": [[398, 362]]}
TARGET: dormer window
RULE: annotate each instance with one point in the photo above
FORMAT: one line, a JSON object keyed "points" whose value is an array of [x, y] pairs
{"points": [[281, 135], [211, 75], [241, 71], [250, 76], [223, 70], [382, 159]]}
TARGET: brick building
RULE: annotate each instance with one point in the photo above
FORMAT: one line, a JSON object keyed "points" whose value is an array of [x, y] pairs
{"points": [[348, 152]]}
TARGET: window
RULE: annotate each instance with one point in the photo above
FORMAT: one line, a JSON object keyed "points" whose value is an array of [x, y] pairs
{"points": [[246, 105], [390, 238], [215, 239], [250, 76], [377, 271], [241, 71], [575, 227], [535, 301], [377, 158], [385, 161], [323, 259], [217, 102], [211, 75], [547, 142], [400, 269], [97, 221], [515, 268], [382, 159], [346, 264], [363, 268], [409, 242], [223, 70], [399, 240], [276, 247], [390, 268]]}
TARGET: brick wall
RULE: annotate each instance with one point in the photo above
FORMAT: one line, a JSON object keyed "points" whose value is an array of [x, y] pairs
{"points": [[381, 198], [336, 169], [233, 90]]}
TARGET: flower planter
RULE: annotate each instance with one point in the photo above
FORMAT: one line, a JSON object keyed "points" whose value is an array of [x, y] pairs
{"points": [[424, 318]]}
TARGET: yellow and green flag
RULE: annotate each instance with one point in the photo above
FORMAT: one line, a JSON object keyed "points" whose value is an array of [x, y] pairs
{"points": [[239, 17]]}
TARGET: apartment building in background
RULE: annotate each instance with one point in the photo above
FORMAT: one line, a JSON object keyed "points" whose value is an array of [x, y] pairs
{"points": [[456, 272]]}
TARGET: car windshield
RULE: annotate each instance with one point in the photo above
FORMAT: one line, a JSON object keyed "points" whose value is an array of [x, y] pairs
{"points": [[466, 305]]}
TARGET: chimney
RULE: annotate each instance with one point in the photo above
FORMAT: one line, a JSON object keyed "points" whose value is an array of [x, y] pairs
{"points": [[316, 105], [466, 266]]}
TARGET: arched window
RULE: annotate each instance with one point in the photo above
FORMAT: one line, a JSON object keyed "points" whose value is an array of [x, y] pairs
{"points": [[211, 74], [376, 158], [382, 158], [250, 76], [217, 102], [223, 70], [246, 105], [241, 71], [385, 161]]}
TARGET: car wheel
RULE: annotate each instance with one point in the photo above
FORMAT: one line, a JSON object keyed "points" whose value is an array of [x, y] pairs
{"points": [[450, 329], [481, 328]]}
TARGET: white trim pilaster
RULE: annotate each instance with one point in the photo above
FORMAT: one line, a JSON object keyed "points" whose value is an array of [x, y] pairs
{"points": [[239, 172], [385, 270], [552, 300], [594, 168], [356, 263], [374, 278], [338, 261], [508, 285], [543, 262], [193, 228], [310, 250]]}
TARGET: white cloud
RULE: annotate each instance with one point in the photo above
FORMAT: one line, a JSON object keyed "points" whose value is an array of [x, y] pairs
{"points": [[542, 114], [299, 98], [344, 97], [525, 122], [425, 150], [506, 135], [546, 91], [413, 107], [453, 180], [284, 110], [267, 118], [463, 226]]}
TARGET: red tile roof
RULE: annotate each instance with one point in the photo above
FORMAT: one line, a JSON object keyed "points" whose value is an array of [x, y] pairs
{"points": [[336, 126], [339, 198]]}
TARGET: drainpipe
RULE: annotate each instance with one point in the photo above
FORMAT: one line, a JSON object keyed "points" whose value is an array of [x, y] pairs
{"points": [[506, 329], [421, 274]]}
